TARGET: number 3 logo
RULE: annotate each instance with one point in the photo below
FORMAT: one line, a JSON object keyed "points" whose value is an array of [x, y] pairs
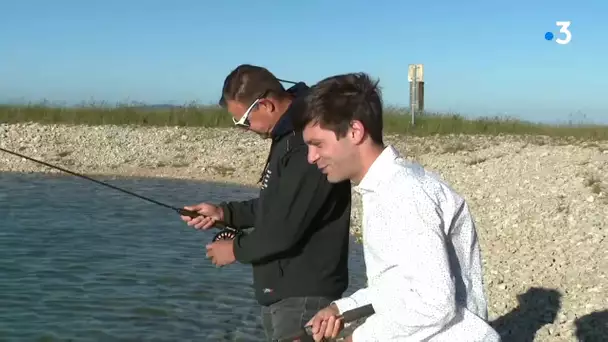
{"points": [[563, 28]]}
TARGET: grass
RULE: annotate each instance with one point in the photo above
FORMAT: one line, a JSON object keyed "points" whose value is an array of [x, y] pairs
{"points": [[396, 120], [187, 115]]}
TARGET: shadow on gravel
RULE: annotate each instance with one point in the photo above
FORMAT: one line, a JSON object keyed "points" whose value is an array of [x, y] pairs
{"points": [[537, 306], [592, 327]]}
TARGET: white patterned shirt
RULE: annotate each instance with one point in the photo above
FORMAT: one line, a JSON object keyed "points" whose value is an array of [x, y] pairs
{"points": [[422, 258]]}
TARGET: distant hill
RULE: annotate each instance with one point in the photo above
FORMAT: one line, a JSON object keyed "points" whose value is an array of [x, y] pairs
{"points": [[52, 105], [158, 106]]}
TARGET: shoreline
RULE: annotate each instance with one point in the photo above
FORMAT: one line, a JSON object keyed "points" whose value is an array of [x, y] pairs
{"points": [[540, 204], [218, 180]]}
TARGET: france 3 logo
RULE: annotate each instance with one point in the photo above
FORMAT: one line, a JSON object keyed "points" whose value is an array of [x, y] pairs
{"points": [[564, 30]]}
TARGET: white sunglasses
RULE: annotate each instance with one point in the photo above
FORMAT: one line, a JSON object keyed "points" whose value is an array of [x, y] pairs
{"points": [[244, 120]]}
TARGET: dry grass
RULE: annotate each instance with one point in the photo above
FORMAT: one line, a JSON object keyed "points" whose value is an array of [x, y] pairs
{"points": [[396, 121]]}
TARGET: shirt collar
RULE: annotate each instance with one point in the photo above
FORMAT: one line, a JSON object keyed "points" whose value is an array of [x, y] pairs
{"points": [[375, 174]]}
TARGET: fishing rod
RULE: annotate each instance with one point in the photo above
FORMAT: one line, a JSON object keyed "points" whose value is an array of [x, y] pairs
{"points": [[286, 81], [305, 334], [226, 233]]}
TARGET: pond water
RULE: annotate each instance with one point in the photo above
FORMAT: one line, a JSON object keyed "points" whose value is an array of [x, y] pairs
{"points": [[80, 262]]}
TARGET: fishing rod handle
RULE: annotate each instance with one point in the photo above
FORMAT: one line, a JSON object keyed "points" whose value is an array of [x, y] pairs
{"points": [[358, 313], [194, 214], [225, 233], [348, 317], [351, 315]]}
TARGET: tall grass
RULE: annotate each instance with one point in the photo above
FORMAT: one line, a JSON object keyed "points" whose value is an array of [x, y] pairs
{"points": [[186, 115], [396, 120]]}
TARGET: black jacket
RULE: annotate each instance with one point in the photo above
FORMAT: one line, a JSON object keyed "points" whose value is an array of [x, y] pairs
{"points": [[299, 246]]}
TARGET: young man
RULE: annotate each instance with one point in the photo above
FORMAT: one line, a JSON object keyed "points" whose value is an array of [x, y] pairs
{"points": [[299, 247], [421, 251]]}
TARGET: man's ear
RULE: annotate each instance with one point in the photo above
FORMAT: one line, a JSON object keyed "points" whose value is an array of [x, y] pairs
{"points": [[356, 132], [267, 105]]}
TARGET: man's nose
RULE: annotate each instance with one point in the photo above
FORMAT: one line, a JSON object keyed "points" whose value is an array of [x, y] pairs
{"points": [[313, 156]]}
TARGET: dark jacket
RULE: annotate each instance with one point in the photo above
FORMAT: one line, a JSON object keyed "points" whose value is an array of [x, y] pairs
{"points": [[299, 246]]}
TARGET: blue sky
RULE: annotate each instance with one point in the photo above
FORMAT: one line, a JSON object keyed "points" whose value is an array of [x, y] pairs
{"points": [[481, 58]]}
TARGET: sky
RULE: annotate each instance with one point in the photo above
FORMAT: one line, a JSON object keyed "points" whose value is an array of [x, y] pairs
{"points": [[481, 58]]}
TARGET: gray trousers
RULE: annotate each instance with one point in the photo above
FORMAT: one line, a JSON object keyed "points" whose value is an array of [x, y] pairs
{"points": [[286, 317]]}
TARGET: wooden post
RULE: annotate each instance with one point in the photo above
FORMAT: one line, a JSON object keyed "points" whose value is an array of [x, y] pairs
{"points": [[415, 77], [420, 97]]}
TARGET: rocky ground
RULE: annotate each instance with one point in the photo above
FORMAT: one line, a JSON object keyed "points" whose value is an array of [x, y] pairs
{"points": [[541, 204]]}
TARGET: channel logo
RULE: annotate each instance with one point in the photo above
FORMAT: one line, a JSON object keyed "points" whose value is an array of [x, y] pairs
{"points": [[564, 29]]}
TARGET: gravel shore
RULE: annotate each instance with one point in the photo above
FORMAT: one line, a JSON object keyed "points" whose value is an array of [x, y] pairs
{"points": [[541, 204]]}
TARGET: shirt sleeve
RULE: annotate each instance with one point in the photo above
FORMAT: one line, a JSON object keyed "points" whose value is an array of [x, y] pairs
{"points": [[415, 296], [358, 299]]}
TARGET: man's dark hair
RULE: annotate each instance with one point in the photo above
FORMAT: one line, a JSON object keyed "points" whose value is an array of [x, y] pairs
{"points": [[336, 101], [248, 82]]}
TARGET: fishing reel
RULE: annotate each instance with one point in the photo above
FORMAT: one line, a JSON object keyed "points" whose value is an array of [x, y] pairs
{"points": [[227, 233]]}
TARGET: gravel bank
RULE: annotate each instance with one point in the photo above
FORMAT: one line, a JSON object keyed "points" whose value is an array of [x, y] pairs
{"points": [[541, 204]]}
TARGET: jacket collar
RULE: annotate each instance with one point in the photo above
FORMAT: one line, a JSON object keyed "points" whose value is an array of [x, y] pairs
{"points": [[285, 124]]}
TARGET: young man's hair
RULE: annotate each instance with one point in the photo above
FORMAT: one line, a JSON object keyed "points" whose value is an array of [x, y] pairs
{"points": [[336, 101], [248, 82]]}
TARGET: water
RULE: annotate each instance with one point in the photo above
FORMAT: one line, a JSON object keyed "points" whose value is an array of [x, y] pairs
{"points": [[80, 262]]}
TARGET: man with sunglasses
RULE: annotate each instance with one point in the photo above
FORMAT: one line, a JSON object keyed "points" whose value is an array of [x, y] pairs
{"points": [[299, 247]]}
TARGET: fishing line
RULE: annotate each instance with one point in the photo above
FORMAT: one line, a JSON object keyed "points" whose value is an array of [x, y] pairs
{"points": [[227, 233]]}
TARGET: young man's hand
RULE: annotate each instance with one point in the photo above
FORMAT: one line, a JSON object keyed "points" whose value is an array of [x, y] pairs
{"points": [[326, 323]]}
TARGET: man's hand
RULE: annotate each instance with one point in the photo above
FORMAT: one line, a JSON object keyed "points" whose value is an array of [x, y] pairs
{"points": [[221, 252], [326, 324], [209, 215]]}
